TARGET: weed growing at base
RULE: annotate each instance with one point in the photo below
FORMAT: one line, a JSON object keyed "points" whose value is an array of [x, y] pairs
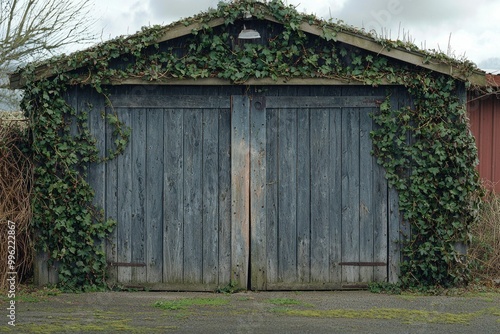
{"points": [[182, 304]]}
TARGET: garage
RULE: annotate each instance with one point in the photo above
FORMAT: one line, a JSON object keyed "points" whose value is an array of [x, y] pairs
{"points": [[249, 160]]}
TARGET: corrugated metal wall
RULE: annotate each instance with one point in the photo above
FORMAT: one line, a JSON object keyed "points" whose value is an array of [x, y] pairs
{"points": [[484, 116]]}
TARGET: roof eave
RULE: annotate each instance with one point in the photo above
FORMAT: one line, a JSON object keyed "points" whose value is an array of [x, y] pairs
{"points": [[407, 56], [17, 81]]}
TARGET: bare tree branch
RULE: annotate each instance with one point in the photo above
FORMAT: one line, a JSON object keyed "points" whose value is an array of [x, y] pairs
{"points": [[31, 30]]}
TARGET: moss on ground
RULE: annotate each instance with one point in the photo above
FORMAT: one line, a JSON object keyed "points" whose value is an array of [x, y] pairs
{"points": [[182, 304], [403, 315], [283, 302], [108, 326]]}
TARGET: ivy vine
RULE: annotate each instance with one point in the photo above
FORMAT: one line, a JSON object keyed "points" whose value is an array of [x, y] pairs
{"points": [[67, 226], [429, 156], [433, 171]]}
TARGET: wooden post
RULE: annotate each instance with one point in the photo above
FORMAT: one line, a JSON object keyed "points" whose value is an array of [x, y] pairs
{"points": [[240, 189], [258, 191]]}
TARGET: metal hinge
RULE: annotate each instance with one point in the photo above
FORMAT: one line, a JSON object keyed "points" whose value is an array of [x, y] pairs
{"points": [[363, 264], [126, 264]]}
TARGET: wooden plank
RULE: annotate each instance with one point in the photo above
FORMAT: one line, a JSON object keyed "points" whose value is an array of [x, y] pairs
{"points": [[111, 206], [138, 217], [194, 101], [323, 101], [126, 264], [333, 165], [313, 286], [366, 201], [405, 100], [395, 222], [193, 223], [335, 188], [364, 264], [124, 199], [272, 195], [173, 208], [73, 98], [41, 269], [93, 104], [303, 197], [258, 191], [53, 271], [210, 189], [395, 237], [240, 189], [154, 196], [280, 81], [381, 221], [287, 194], [350, 193], [169, 101], [174, 287], [180, 29], [224, 197], [97, 127], [320, 193]]}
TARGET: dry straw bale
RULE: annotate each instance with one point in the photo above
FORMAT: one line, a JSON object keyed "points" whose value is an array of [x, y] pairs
{"points": [[16, 173], [485, 245]]}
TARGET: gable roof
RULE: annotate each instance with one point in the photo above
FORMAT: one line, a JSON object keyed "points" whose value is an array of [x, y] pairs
{"points": [[401, 51]]}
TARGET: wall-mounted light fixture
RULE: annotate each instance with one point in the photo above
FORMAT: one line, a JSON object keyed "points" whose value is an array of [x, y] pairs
{"points": [[248, 34]]}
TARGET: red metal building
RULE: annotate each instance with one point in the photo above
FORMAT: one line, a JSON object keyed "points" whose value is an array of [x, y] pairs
{"points": [[484, 113]]}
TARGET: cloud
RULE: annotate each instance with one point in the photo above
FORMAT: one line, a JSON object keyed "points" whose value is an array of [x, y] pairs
{"points": [[125, 19], [173, 10], [378, 14]]}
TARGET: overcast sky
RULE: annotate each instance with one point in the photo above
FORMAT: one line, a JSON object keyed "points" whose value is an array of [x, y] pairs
{"points": [[474, 26]]}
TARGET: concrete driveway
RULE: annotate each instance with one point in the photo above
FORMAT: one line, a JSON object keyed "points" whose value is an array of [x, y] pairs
{"points": [[256, 312]]}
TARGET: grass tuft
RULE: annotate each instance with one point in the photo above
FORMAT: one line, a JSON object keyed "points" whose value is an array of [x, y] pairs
{"points": [[284, 301], [182, 304]]}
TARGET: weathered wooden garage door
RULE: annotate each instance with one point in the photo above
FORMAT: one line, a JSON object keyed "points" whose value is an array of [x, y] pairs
{"points": [[272, 192], [318, 198], [170, 193]]}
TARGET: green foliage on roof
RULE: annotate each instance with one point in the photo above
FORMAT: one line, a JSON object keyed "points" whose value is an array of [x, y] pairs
{"points": [[97, 59]]}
